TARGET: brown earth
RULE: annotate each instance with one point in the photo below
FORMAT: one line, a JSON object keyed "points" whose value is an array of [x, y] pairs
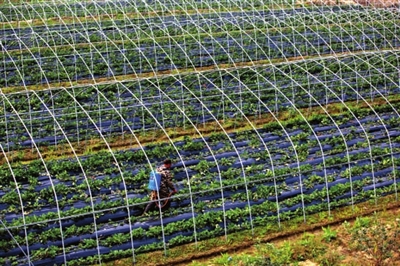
{"points": [[379, 3], [342, 246], [372, 3]]}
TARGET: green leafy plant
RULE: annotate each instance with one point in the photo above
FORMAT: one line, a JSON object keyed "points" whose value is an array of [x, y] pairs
{"points": [[203, 167], [330, 258], [329, 234], [279, 255], [379, 239]]}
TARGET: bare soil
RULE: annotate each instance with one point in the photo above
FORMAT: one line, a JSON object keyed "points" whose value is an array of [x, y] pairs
{"points": [[378, 3], [371, 3]]}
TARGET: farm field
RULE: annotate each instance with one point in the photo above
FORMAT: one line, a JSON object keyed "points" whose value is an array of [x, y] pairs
{"points": [[271, 111], [348, 242]]}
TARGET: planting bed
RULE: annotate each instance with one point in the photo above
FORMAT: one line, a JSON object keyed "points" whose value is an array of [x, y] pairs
{"points": [[270, 111]]}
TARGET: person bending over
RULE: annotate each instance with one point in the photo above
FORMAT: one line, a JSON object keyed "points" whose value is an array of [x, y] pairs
{"points": [[166, 189]]}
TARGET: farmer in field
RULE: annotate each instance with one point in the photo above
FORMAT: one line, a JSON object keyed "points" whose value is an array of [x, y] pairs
{"points": [[166, 189]]}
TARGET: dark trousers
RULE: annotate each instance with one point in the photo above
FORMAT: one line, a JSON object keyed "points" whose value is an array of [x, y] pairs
{"points": [[165, 203]]}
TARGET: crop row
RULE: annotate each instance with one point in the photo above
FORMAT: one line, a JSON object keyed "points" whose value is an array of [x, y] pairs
{"points": [[144, 28], [279, 172], [160, 57], [79, 113], [81, 9], [108, 58], [332, 137]]}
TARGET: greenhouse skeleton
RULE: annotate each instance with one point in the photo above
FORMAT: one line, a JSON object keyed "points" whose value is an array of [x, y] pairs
{"points": [[270, 110]]}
